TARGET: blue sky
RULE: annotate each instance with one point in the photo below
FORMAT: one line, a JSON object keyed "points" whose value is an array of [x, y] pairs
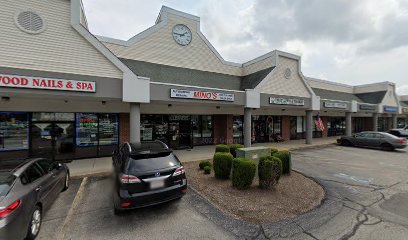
{"points": [[351, 42]]}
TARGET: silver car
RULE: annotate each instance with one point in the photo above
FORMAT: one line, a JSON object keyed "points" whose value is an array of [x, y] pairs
{"points": [[27, 189], [381, 140]]}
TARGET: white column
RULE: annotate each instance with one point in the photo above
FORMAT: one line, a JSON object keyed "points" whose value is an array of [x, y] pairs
{"points": [[348, 124], [394, 121], [375, 121], [135, 122], [247, 126]]}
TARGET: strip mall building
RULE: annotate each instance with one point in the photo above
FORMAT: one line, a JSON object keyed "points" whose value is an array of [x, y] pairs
{"points": [[67, 94]]}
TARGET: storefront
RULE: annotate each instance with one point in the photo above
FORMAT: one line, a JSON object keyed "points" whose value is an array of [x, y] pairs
{"points": [[58, 136], [266, 128]]}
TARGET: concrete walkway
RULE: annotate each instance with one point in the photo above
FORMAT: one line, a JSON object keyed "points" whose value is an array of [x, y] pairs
{"points": [[103, 165]]}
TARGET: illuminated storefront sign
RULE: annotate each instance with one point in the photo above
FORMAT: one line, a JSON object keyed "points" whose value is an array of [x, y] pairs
{"points": [[287, 101], [389, 109], [335, 105], [13, 81], [202, 95]]}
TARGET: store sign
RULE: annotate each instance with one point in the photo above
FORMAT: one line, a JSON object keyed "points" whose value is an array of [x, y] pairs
{"points": [[190, 94], [13, 81], [335, 105], [404, 110], [287, 101], [367, 107], [389, 109]]}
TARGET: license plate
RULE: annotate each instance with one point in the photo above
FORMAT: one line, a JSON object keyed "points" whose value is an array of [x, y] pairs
{"points": [[156, 184]]}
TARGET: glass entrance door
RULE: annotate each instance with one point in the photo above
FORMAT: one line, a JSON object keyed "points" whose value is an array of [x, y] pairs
{"points": [[52, 140], [180, 131]]}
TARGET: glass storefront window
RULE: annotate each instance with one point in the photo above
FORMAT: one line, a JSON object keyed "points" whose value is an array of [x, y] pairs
{"points": [[207, 126], [108, 129], [238, 126], [196, 123], [13, 131], [154, 127], [402, 122], [87, 129]]}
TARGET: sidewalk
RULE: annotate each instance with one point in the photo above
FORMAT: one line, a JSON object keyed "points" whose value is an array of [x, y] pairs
{"points": [[103, 165]]}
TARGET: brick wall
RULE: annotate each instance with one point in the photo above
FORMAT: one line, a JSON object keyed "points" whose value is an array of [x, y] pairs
{"points": [[124, 127], [223, 129], [286, 128]]}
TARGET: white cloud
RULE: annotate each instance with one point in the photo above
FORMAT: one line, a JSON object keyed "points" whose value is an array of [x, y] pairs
{"points": [[352, 42]]}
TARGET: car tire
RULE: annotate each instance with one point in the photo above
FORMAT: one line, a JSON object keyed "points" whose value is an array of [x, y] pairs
{"points": [[66, 182], [117, 211], [34, 225], [387, 147]]}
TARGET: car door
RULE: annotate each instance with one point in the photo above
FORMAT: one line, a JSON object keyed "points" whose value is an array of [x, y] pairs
{"points": [[34, 178], [359, 139], [377, 140], [53, 175]]}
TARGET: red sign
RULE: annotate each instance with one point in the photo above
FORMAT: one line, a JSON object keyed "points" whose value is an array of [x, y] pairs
{"points": [[215, 96], [46, 83]]}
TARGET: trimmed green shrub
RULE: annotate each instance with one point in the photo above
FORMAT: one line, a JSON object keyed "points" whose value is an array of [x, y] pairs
{"points": [[204, 163], [233, 148], [243, 173], [222, 148], [269, 171], [274, 150], [284, 156], [207, 170], [222, 164]]}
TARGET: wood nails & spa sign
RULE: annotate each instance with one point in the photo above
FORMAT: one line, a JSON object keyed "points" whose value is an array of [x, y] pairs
{"points": [[14, 81]]}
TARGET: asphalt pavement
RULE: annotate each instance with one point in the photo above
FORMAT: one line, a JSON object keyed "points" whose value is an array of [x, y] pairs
{"points": [[366, 198]]}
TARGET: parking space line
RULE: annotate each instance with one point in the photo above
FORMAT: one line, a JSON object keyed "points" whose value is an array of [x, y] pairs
{"points": [[68, 218]]}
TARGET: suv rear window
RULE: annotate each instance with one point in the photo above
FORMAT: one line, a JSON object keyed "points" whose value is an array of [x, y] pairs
{"points": [[6, 180], [151, 160]]}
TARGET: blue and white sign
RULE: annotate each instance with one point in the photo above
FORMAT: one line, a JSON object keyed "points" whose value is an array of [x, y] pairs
{"points": [[389, 109]]}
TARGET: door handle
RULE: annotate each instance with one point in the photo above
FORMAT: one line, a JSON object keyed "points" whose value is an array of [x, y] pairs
{"points": [[38, 189]]}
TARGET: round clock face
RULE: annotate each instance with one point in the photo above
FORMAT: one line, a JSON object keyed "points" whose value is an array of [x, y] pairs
{"points": [[182, 34]]}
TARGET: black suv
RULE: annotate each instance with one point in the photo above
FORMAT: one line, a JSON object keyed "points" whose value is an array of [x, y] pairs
{"points": [[145, 174]]}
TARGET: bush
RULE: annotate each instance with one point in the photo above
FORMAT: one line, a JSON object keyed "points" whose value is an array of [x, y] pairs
{"points": [[243, 173], [207, 170], [233, 148], [269, 171], [222, 164], [204, 164], [222, 148], [284, 156], [274, 150]]}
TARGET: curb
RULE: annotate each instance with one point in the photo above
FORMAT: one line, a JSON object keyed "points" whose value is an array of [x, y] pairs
{"points": [[94, 174]]}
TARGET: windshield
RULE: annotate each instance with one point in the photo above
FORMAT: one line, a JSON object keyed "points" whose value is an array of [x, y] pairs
{"points": [[6, 180], [152, 161]]}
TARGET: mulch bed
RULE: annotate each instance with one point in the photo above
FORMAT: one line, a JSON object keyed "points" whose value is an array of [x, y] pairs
{"points": [[294, 195]]}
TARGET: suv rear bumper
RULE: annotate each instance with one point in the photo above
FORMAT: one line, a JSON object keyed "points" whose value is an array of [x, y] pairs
{"points": [[145, 199]]}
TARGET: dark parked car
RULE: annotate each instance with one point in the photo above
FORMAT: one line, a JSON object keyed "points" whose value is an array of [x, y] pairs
{"points": [[145, 174], [399, 132], [27, 189], [381, 140]]}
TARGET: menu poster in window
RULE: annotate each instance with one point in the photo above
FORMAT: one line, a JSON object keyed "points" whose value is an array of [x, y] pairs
{"points": [[147, 134], [108, 129], [87, 129], [13, 131]]}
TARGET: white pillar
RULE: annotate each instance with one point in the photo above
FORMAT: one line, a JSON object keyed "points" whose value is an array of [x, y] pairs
{"points": [[394, 121], [348, 124], [309, 126], [247, 126], [135, 122]]}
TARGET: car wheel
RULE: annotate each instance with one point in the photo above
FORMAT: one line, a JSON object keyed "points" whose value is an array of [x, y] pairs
{"points": [[346, 143], [66, 182], [117, 211], [35, 223], [387, 147]]}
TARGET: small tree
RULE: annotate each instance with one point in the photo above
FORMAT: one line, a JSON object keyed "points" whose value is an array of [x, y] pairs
{"points": [[222, 163], [285, 157], [243, 173], [269, 171]]}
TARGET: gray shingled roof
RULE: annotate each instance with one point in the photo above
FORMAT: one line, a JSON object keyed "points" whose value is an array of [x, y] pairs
{"points": [[252, 80], [184, 76], [372, 97], [335, 95]]}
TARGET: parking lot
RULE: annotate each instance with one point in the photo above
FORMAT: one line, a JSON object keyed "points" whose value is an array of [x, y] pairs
{"points": [[367, 191]]}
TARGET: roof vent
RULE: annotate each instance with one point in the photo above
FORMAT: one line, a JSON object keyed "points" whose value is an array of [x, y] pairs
{"points": [[30, 22]]}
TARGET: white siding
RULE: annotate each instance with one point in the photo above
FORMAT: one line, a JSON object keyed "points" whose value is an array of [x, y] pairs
{"points": [[259, 65], [389, 98], [375, 87], [58, 49], [276, 83], [160, 47]]}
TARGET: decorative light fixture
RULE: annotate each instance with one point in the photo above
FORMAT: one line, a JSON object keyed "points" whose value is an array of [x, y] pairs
{"points": [[169, 105], [103, 102]]}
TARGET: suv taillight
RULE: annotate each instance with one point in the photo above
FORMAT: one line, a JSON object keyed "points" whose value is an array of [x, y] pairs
{"points": [[179, 171], [125, 178], [5, 212]]}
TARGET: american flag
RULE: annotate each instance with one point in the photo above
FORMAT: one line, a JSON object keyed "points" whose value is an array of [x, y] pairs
{"points": [[319, 122]]}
